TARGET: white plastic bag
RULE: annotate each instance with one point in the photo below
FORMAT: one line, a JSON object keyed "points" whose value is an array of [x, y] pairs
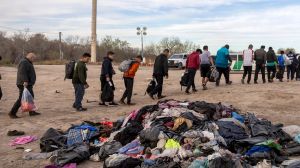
{"points": [[27, 103]]}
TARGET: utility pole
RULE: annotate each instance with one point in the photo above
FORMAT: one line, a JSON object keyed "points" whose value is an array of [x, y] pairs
{"points": [[61, 56], [142, 32], [94, 35]]}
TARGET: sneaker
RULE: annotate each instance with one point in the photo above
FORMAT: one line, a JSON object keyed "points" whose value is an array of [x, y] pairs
{"points": [[102, 104], [187, 92], [81, 109], [195, 90], [204, 87], [248, 83], [33, 113], [131, 104], [217, 83], [255, 82], [243, 81], [74, 106], [229, 83], [122, 102], [13, 116], [113, 104], [161, 97], [264, 82], [288, 80], [15, 133]]}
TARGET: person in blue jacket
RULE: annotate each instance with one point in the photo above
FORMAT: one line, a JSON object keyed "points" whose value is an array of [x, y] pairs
{"points": [[281, 66], [223, 65]]}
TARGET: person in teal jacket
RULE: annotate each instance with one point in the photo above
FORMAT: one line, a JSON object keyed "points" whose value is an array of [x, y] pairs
{"points": [[222, 64], [281, 66]]}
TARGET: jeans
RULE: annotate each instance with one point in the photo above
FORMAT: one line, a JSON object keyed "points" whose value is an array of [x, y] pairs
{"points": [[247, 71], [79, 93], [273, 70], [262, 69], [225, 72], [290, 72], [191, 77], [129, 87], [160, 82], [17, 104]]}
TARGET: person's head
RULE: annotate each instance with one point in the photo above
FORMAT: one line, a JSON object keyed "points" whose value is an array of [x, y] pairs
{"points": [[139, 58], [110, 55], [263, 47], [205, 48], [226, 46], [31, 56], [270, 49], [290, 52], [250, 47], [281, 52], [199, 51], [166, 52], [85, 57]]}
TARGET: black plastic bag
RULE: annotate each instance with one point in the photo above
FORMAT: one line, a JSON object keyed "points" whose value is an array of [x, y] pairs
{"points": [[107, 94]]}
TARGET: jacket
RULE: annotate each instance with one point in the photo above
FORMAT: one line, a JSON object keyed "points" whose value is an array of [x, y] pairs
{"points": [[132, 70], [26, 72], [260, 56], [193, 60], [271, 56], [80, 75], [161, 65], [107, 69]]}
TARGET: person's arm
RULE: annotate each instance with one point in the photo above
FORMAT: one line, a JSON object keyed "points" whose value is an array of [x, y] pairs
{"points": [[252, 57], [255, 55], [165, 66], [81, 73], [265, 58], [106, 69], [133, 69], [275, 58], [187, 62], [198, 60], [23, 70]]}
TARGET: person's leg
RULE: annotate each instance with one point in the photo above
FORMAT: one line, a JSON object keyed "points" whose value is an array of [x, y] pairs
{"points": [[293, 70], [193, 79], [249, 74], [125, 94], [256, 73], [273, 72], [226, 75], [129, 89], [17, 104], [220, 70], [263, 73], [189, 80], [79, 95], [288, 69], [269, 69], [245, 72], [158, 89]]}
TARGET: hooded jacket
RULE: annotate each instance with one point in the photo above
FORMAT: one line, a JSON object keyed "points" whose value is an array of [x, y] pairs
{"points": [[260, 56], [161, 65], [193, 60], [107, 68]]}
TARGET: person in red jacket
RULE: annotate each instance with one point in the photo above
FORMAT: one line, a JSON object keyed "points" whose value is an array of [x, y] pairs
{"points": [[128, 80], [192, 64]]}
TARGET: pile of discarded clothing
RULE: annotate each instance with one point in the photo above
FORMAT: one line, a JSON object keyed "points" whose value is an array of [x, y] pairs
{"points": [[175, 134]]}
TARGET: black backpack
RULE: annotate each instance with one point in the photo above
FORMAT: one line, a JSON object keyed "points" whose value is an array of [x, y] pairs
{"points": [[69, 69], [151, 86], [184, 79]]}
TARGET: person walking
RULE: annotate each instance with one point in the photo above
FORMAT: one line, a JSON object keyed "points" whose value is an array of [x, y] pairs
{"points": [[290, 67], [26, 78], [260, 61], [192, 64], [206, 61], [271, 64], [247, 61], [79, 81], [160, 70], [107, 72], [281, 66], [222, 65], [128, 77]]}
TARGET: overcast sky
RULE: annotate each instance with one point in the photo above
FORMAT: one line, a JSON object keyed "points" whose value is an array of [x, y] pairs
{"points": [[213, 22]]}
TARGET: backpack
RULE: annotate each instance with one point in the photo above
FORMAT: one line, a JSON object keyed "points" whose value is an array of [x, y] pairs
{"points": [[184, 79], [151, 86], [107, 94], [69, 69], [213, 75], [125, 65]]}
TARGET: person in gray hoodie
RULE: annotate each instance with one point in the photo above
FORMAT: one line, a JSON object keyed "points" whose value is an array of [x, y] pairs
{"points": [[260, 57]]}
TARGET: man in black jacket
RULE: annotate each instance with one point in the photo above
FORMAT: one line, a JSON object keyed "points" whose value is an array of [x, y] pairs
{"points": [[160, 71], [26, 78], [107, 72], [260, 60], [79, 81], [271, 64]]}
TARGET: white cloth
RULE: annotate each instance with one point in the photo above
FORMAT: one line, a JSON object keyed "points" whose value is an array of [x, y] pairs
{"points": [[248, 56]]}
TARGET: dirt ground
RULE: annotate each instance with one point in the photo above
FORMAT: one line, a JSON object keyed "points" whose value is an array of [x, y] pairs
{"points": [[278, 102]]}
